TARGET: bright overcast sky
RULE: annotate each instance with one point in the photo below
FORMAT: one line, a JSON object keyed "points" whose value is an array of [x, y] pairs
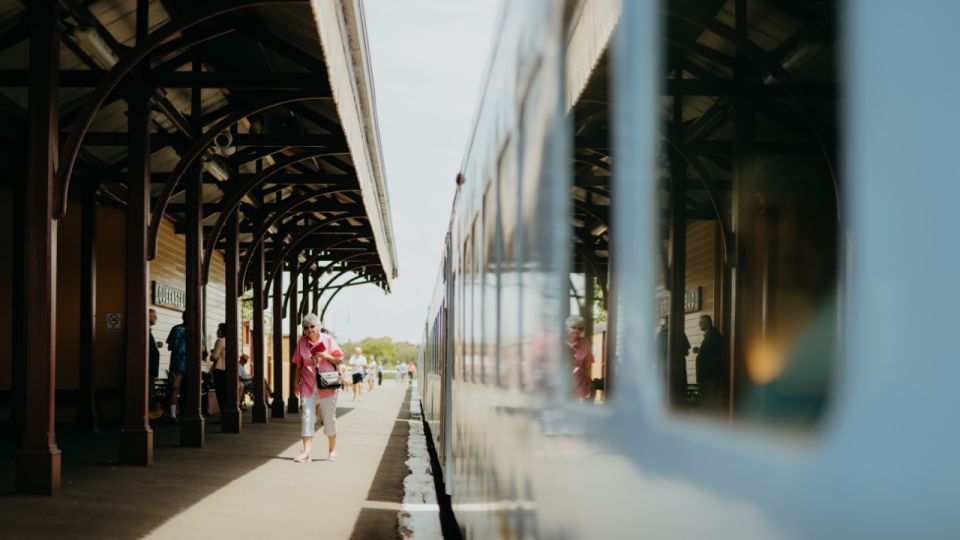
{"points": [[429, 58]]}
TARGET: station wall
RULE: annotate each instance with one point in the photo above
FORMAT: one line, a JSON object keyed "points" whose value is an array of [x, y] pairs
{"points": [[168, 268]]}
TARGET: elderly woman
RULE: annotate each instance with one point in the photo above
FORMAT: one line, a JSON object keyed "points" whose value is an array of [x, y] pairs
{"points": [[582, 355], [307, 363]]}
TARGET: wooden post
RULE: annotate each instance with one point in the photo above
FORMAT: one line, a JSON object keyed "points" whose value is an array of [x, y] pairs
{"points": [[136, 439], [277, 404], [742, 300], [293, 404], [258, 356], [38, 458], [231, 421], [191, 423], [87, 413]]}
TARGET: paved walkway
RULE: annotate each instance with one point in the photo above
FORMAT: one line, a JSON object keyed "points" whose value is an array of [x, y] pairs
{"points": [[238, 486]]}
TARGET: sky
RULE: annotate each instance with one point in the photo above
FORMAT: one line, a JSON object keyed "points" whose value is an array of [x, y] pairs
{"points": [[429, 58]]}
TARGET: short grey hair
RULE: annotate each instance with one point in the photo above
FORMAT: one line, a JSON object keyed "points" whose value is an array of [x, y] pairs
{"points": [[576, 322], [310, 318]]}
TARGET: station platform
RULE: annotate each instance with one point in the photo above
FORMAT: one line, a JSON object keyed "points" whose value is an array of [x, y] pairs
{"points": [[237, 486]]}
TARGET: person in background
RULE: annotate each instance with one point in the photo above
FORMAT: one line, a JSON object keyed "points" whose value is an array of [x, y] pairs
{"points": [[411, 369], [401, 371], [673, 371], [177, 343], [710, 369], [582, 356], [358, 366], [244, 378], [218, 356], [380, 373], [308, 361], [371, 373], [154, 348]]}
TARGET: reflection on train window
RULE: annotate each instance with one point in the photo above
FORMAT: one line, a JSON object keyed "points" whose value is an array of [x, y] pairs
{"points": [[590, 367], [748, 226]]}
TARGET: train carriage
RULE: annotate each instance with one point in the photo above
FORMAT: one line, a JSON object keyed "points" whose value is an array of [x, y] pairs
{"points": [[697, 278]]}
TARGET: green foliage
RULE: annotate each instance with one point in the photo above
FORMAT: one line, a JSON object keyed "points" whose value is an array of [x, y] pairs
{"points": [[385, 349]]}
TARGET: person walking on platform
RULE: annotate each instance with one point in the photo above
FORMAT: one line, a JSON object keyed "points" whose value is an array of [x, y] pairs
{"points": [[358, 366], [371, 373], [380, 373], [315, 353], [401, 371], [411, 369]]}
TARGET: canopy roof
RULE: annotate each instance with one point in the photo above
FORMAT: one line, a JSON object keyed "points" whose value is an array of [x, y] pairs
{"points": [[305, 174]]}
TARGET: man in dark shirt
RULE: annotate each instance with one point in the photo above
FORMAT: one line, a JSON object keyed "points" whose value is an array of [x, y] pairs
{"points": [[710, 369], [677, 367], [154, 350]]}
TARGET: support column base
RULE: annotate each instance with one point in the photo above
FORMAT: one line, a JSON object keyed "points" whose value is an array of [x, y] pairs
{"points": [[38, 471], [259, 413], [277, 409], [192, 431], [231, 421], [136, 446], [293, 405]]}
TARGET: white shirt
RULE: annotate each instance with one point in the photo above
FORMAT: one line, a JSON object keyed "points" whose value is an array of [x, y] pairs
{"points": [[358, 363]]}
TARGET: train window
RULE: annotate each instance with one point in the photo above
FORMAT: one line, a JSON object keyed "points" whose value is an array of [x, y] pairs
{"points": [[491, 283], [587, 335], [747, 208]]}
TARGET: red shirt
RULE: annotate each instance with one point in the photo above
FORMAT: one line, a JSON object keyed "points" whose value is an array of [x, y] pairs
{"points": [[582, 358], [303, 359]]}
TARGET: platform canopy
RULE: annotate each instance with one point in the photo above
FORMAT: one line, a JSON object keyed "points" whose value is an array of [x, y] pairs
{"points": [[284, 126]]}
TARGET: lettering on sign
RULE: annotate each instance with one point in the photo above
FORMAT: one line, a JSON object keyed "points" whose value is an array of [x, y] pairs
{"points": [[692, 301], [167, 296]]}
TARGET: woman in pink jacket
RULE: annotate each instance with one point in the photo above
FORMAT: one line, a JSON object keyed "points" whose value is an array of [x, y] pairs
{"points": [[308, 359]]}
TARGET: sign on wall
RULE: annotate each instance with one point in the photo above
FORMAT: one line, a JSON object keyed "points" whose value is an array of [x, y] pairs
{"points": [[693, 300], [167, 296], [114, 322]]}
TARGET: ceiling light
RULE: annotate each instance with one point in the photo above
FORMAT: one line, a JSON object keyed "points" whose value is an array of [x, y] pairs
{"points": [[216, 169], [90, 41]]}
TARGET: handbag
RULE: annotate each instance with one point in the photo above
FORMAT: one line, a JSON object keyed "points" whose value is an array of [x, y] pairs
{"points": [[326, 380]]}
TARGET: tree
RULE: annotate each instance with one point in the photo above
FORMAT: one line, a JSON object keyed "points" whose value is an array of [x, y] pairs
{"points": [[385, 349]]}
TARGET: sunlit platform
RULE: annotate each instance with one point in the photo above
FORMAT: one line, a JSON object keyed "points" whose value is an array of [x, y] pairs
{"points": [[237, 486]]}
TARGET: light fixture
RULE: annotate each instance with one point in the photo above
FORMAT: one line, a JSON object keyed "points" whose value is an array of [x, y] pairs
{"points": [[599, 229], [223, 143], [216, 169], [90, 41]]}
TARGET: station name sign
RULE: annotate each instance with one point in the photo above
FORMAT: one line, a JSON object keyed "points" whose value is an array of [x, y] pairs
{"points": [[167, 296]]}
